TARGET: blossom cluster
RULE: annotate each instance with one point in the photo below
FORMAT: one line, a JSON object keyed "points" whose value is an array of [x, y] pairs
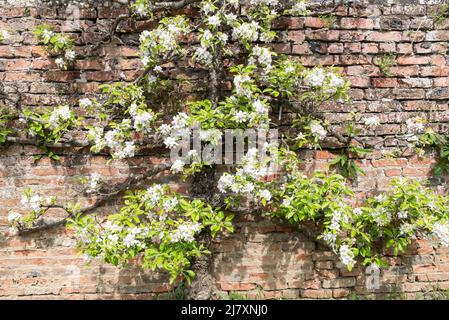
{"points": [[162, 42], [94, 183], [119, 139], [248, 178], [160, 225], [326, 81], [4, 35], [57, 43], [59, 115]]}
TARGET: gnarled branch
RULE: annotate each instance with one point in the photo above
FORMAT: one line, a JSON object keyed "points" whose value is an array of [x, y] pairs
{"points": [[132, 181]]}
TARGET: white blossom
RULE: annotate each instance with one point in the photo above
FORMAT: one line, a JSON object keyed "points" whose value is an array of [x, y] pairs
{"points": [[214, 21], [240, 116], [203, 55], [85, 103], [225, 181], [96, 135], [315, 77], [60, 62], [62, 113], [171, 142], [145, 60], [223, 38], [208, 8], [5, 35], [94, 182], [329, 237], [415, 125], [113, 238], [140, 9], [185, 232], [248, 188], [14, 217], [170, 204], [32, 202], [263, 57], [177, 166], [441, 232], [142, 119], [47, 35], [346, 255], [318, 130], [299, 8], [180, 121], [130, 240], [335, 81], [125, 151], [265, 194], [403, 214], [239, 83], [158, 69], [372, 121], [246, 31], [286, 202], [165, 129], [230, 18], [380, 198], [153, 194], [70, 55], [260, 107]]}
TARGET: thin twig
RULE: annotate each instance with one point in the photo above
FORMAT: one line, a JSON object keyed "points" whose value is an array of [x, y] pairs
{"points": [[131, 181]]}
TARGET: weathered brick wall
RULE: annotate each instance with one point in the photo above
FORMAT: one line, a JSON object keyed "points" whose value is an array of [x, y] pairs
{"points": [[263, 258]]}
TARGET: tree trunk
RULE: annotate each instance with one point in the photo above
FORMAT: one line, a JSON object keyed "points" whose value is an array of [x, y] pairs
{"points": [[202, 286]]}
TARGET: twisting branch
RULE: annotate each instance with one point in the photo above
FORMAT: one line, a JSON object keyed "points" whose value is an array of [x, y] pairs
{"points": [[340, 137], [132, 181], [171, 5], [329, 11], [155, 6], [36, 142], [108, 37]]}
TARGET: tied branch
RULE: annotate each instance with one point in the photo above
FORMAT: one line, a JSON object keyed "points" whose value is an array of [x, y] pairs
{"points": [[112, 31], [342, 139], [155, 6], [130, 182], [172, 5]]}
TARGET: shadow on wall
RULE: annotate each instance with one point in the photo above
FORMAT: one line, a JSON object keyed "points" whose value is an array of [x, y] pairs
{"points": [[46, 265], [266, 260], [261, 260]]}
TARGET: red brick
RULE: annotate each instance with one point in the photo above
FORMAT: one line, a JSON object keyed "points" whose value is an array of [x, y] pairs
{"points": [[385, 82], [316, 23], [317, 294], [413, 60], [384, 36], [233, 286]]}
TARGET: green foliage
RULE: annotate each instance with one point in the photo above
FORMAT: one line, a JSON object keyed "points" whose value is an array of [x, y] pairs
{"points": [[57, 44], [386, 61], [158, 226], [50, 126], [330, 19], [164, 229], [310, 199], [346, 160], [4, 130], [438, 142], [441, 13]]}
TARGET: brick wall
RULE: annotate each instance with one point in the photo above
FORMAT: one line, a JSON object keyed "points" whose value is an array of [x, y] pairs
{"points": [[263, 258]]}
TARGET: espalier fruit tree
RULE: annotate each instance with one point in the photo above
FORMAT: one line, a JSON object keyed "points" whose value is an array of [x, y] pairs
{"points": [[246, 86]]}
